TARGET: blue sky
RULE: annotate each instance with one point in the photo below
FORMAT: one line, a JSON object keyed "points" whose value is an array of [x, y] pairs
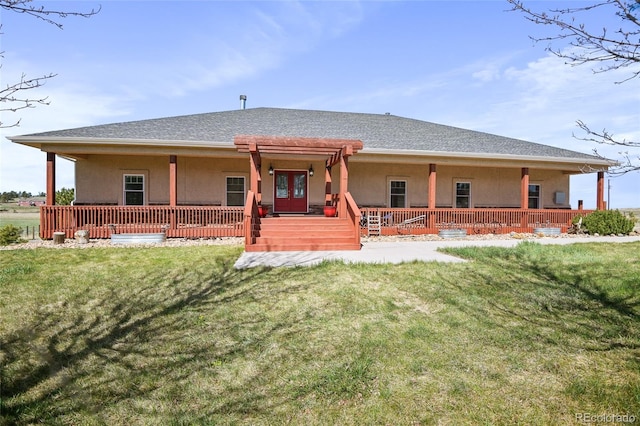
{"points": [[466, 64]]}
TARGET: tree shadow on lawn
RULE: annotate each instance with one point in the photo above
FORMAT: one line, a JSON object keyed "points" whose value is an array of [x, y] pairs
{"points": [[571, 303], [87, 354]]}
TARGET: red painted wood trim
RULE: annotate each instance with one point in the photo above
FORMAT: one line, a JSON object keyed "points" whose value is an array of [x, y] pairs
{"points": [[173, 180], [524, 188], [327, 185], [255, 175], [284, 143], [600, 192], [51, 179], [431, 199], [344, 186]]}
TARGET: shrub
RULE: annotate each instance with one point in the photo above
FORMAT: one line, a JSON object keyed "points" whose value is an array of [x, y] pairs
{"points": [[577, 219], [65, 196], [606, 222], [10, 234]]}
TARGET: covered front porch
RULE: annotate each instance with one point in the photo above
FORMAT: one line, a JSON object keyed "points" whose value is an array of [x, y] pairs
{"points": [[352, 219], [339, 230]]}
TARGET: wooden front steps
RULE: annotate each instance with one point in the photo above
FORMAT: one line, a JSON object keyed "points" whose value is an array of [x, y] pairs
{"points": [[304, 233]]}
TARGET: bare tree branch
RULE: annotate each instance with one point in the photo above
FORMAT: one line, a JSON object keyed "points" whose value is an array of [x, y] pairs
{"points": [[627, 162], [609, 49], [11, 96], [40, 12], [606, 49], [604, 137]]}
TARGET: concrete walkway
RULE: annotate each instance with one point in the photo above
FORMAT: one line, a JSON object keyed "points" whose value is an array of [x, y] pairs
{"points": [[400, 251]]}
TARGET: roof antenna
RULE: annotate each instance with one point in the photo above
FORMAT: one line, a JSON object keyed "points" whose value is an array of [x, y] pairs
{"points": [[243, 101]]}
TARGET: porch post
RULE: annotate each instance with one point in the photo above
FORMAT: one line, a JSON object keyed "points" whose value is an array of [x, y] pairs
{"points": [[51, 178], [173, 180], [524, 188], [344, 180], [327, 184], [431, 198], [600, 192], [255, 173], [524, 198]]}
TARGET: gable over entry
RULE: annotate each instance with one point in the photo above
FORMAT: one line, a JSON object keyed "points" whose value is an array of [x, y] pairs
{"points": [[336, 151]]}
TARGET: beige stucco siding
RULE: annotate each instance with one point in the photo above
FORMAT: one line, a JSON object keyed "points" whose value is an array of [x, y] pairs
{"points": [[551, 182], [490, 187], [369, 182], [201, 181], [99, 178]]}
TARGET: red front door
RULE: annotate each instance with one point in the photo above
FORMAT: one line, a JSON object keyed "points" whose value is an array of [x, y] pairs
{"points": [[290, 191]]}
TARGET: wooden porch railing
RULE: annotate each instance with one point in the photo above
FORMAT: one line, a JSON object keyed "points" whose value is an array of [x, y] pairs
{"points": [[217, 221], [180, 221], [476, 221]]}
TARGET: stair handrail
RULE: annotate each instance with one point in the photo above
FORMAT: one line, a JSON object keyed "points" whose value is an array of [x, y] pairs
{"points": [[251, 218], [353, 214]]}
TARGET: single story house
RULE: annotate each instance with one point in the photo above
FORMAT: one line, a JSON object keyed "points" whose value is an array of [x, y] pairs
{"points": [[212, 174]]}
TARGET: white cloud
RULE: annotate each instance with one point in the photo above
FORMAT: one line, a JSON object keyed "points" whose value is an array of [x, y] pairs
{"points": [[265, 38], [542, 102], [539, 102], [96, 91]]}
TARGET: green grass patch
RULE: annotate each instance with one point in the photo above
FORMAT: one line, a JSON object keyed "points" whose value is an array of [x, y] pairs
{"points": [[25, 218], [528, 335]]}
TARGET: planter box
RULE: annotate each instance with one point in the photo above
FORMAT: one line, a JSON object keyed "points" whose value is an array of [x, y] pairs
{"points": [[546, 231], [452, 233], [139, 238]]}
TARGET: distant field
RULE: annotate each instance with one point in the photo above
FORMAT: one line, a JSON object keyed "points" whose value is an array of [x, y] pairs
{"points": [[635, 211], [22, 217], [14, 208]]}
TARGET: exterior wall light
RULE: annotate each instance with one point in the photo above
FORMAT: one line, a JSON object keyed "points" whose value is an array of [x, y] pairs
{"points": [[270, 170], [310, 170]]}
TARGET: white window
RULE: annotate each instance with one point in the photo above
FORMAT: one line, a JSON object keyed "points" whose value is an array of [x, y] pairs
{"points": [[534, 196], [133, 190], [398, 193], [463, 195], [235, 191]]}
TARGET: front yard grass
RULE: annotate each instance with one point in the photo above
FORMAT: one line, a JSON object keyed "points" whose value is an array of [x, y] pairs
{"points": [[529, 335]]}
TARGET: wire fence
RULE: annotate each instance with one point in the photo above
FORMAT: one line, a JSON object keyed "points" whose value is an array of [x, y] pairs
{"points": [[30, 232]]}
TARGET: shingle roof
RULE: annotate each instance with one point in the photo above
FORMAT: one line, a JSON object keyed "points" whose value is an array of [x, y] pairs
{"points": [[376, 131]]}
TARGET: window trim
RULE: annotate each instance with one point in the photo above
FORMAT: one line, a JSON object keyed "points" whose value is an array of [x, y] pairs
{"points": [[390, 180], [455, 193], [125, 191], [226, 189]]}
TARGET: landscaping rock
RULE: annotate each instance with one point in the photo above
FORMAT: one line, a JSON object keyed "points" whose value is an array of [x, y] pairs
{"points": [[82, 237]]}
